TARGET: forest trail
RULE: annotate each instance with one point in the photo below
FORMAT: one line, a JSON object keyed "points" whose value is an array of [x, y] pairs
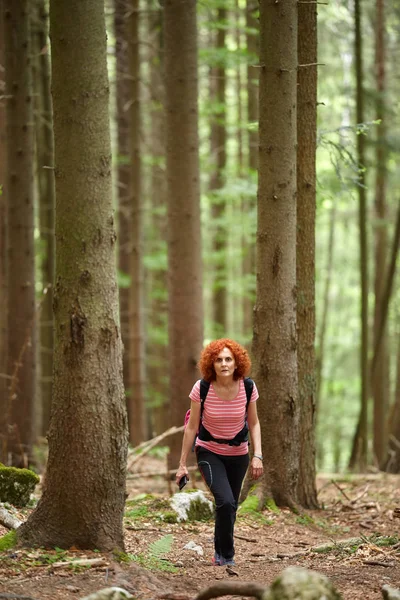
{"points": [[360, 507]]}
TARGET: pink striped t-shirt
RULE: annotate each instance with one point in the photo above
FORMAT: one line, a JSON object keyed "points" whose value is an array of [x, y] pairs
{"points": [[223, 418]]}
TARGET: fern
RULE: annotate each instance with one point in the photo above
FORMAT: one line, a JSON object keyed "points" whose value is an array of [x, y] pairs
{"points": [[162, 546]]}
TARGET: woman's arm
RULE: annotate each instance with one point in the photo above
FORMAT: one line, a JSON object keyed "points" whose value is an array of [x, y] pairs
{"points": [[188, 438], [256, 468]]}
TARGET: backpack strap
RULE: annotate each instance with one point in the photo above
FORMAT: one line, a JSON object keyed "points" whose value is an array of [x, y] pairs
{"points": [[204, 387], [248, 385]]}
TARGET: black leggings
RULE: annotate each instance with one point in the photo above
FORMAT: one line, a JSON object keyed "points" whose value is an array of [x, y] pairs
{"points": [[224, 476]]}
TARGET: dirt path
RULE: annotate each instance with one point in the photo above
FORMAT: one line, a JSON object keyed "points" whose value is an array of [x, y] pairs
{"points": [[359, 507]]}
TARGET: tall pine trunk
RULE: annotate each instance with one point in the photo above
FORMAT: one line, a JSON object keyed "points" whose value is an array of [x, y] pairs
{"points": [[275, 335], [84, 493], [185, 310], [3, 263], [218, 153], [158, 318], [136, 406], [46, 196], [123, 170], [249, 259], [21, 257], [305, 253], [359, 453], [380, 379]]}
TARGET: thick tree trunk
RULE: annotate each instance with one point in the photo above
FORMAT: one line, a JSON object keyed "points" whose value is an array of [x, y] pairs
{"points": [[123, 171], [136, 408], [305, 247], [21, 257], [275, 335], [380, 379], [84, 492], [359, 455], [46, 196], [3, 263], [217, 180], [185, 310]]}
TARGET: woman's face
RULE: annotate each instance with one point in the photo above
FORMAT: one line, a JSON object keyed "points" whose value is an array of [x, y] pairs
{"points": [[225, 364]]}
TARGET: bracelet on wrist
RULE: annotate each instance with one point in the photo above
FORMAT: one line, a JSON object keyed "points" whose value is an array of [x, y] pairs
{"points": [[259, 456]]}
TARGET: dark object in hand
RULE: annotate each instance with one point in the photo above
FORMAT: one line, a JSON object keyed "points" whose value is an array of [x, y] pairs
{"points": [[182, 482]]}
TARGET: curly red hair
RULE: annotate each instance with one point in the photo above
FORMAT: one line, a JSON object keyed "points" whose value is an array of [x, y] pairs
{"points": [[210, 353]]}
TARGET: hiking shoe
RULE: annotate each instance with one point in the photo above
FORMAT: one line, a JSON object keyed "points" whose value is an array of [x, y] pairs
{"points": [[216, 560], [229, 562]]}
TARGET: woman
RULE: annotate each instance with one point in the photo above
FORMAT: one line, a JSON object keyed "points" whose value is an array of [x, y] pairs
{"points": [[223, 465]]}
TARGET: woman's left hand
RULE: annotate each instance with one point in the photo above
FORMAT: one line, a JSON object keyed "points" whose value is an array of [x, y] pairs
{"points": [[256, 468]]}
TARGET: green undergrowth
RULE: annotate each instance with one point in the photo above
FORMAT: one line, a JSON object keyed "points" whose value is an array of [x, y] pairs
{"points": [[17, 485], [322, 524], [249, 510], [8, 541], [154, 559]]}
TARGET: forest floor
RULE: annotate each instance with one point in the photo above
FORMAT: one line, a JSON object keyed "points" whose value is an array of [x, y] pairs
{"points": [[362, 507]]}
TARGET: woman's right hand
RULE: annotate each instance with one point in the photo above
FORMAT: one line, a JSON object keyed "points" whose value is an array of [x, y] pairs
{"points": [[180, 473]]}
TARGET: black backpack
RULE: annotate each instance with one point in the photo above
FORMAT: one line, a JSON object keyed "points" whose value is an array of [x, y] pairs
{"points": [[205, 436]]}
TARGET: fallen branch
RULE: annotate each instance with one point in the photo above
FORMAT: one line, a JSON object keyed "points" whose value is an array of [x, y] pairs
{"points": [[378, 563], [81, 562], [145, 447], [246, 539], [227, 588], [7, 520]]}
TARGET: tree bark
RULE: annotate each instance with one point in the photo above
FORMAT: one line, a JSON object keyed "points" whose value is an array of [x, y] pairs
{"points": [[84, 492], [136, 408], [158, 376], [21, 257], [185, 310], [275, 336], [305, 248], [249, 260], [380, 377], [359, 455], [3, 263], [46, 197], [217, 180], [123, 172]]}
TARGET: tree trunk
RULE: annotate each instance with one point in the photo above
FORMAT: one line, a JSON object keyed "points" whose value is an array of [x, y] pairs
{"points": [[217, 180], [305, 248], [380, 380], [158, 376], [275, 336], [21, 257], [359, 455], [46, 195], [249, 260], [123, 172], [3, 263], [136, 408], [84, 493], [185, 311]]}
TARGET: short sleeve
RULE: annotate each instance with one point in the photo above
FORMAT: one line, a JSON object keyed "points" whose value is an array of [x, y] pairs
{"points": [[195, 393], [254, 393]]}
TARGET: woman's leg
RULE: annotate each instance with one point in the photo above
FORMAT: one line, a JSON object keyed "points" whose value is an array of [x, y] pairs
{"points": [[225, 489]]}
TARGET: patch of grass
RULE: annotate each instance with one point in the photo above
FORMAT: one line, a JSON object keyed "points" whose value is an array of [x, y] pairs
{"points": [[140, 512], [270, 505], [304, 520], [153, 564], [8, 541], [249, 509]]}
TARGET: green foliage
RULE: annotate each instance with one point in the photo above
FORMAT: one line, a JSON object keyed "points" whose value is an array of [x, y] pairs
{"points": [[304, 520], [8, 541], [270, 505], [17, 485], [161, 547], [250, 508]]}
